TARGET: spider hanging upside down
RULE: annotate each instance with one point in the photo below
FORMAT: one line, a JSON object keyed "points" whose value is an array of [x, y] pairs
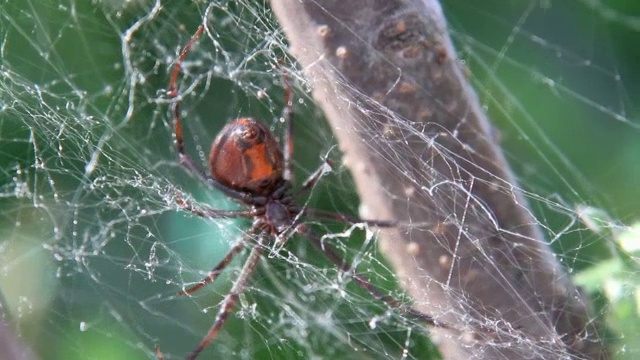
{"points": [[247, 165]]}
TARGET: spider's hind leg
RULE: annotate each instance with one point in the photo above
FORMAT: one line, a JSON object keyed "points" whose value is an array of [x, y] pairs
{"points": [[231, 299], [213, 274]]}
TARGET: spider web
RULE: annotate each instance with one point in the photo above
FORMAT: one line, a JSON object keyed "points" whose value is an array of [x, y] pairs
{"points": [[94, 249]]}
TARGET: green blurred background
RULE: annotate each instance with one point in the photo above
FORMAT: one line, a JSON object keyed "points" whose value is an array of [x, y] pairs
{"points": [[92, 256]]}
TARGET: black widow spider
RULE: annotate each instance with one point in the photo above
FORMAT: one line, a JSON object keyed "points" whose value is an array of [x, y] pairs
{"points": [[247, 165]]}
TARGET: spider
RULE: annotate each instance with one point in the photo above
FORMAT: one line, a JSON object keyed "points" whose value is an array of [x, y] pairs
{"points": [[247, 165]]}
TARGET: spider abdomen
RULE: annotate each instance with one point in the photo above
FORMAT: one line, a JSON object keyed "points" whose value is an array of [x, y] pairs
{"points": [[245, 156]]}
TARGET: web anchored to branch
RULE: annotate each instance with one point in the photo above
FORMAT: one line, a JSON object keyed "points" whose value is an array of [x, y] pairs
{"points": [[95, 248]]}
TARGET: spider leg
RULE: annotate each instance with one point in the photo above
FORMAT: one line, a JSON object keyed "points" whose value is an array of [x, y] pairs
{"points": [[185, 160], [173, 88], [237, 247], [208, 212], [364, 283], [232, 298], [311, 181], [340, 217], [213, 274]]}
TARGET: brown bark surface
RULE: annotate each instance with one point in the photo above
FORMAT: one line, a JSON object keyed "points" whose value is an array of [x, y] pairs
{"points": [[422, 152]]}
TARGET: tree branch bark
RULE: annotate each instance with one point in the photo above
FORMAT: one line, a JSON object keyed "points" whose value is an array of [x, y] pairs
{"points": [[11, 347], [421, 151]]}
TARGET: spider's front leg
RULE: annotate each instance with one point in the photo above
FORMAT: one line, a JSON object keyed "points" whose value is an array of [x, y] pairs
{"points": [[364, 283], [344, 218], [311, 181], [324, 168], [207, 212]]}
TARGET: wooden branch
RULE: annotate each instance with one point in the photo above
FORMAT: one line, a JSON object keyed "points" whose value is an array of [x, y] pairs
{"points": [[422, 152], [11, 347]]}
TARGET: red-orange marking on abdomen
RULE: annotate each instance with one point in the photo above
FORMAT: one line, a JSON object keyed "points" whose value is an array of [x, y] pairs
{"points": [[261, 168]]}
